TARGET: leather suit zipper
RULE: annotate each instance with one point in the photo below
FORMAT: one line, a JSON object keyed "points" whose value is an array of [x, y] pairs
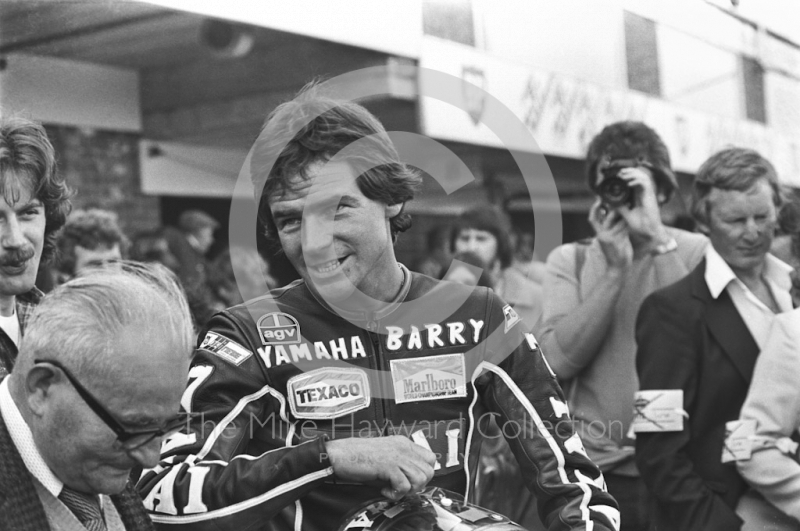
{"points": [[375, 339]]}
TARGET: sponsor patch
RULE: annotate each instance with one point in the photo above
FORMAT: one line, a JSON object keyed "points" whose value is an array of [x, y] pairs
{"points": [[512, 317], [278, 328], [328, 393], [225, 348], [429, 378]]}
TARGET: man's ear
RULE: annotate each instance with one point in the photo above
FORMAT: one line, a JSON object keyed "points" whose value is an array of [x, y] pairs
{"points": [[393, 210], [38, 387]]}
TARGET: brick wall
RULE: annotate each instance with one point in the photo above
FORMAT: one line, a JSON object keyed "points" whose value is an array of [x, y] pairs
{"points": [[103, 167]]}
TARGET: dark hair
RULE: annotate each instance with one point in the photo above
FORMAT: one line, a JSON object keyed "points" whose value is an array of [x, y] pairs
{"points": [[732, 169], [490, 219], [191, 221], [27, 159], [153, 246], [632, 140], [320, 127], [90, 229]]}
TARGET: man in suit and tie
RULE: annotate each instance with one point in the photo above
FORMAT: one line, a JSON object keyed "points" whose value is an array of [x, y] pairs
{"points": [[698, 340], [95, 390]]}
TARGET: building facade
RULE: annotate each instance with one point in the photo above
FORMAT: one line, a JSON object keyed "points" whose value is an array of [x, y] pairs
{"points": [[153, 106]]}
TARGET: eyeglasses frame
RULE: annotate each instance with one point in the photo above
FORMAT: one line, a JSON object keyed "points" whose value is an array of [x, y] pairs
{"points": [[119, 430]]}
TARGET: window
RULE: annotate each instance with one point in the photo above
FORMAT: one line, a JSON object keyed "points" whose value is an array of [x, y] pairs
{"points": [[641, 51], [449, 19], [699, 74], [753, 78]]}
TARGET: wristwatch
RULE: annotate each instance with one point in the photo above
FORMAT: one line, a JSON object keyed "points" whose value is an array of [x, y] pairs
{"points": [[666, 247]]}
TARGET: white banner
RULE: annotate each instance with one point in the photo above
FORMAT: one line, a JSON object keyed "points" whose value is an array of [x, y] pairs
{"points": [[565, 113]]}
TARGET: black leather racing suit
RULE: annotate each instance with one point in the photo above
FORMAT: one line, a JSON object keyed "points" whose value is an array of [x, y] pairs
{"points": [[274, 377]]}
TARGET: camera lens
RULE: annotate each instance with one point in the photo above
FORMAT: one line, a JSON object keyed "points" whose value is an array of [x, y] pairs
{"points": [[614, 192]]}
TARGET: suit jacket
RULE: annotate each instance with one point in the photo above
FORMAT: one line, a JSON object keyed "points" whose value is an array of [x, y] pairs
{"points": [[20, 508], [25, 304], [688, 340]]}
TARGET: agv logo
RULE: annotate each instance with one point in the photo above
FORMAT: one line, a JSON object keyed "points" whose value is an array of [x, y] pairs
{"points": [[278, 328]]}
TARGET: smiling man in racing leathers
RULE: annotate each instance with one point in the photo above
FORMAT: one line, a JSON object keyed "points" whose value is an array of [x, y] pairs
{"points": [[362, 379]]}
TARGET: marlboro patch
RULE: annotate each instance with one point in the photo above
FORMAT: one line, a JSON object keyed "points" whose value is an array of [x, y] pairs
{"points": [[429, 378], [328, 393]]}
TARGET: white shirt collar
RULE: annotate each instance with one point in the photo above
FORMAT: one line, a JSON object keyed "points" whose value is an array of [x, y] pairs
{"points": [[23, 439], [719, 274]]}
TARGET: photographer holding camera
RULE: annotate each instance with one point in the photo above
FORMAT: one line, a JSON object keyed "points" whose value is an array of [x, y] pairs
{"points": [[593, 290]]}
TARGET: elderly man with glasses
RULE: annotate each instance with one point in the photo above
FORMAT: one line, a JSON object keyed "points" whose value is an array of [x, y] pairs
{"points": [[95, 390]]}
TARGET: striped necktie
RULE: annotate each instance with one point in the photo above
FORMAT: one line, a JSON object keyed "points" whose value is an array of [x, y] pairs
{"points": [[85, 506]]}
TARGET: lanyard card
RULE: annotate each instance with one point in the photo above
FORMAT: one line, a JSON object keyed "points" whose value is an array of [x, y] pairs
{"points": [[657, 410], [738, 445]]}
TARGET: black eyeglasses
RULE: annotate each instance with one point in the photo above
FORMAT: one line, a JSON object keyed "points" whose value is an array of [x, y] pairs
{"points": [[129, 440]]}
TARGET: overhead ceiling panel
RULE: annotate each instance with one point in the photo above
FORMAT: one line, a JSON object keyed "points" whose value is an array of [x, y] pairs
{"points": [[126, 34]]}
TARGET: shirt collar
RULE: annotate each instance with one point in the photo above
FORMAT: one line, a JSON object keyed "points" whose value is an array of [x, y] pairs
{"points": [[26, 446], [26, 303], [31, 297], [719, 274]]}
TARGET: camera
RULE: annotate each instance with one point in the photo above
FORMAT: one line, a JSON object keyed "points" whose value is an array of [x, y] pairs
{"points": [[613, 190]]}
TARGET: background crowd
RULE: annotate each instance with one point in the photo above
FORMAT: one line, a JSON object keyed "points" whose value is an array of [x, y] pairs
{"points": [[640, 312], [93, 236]]}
